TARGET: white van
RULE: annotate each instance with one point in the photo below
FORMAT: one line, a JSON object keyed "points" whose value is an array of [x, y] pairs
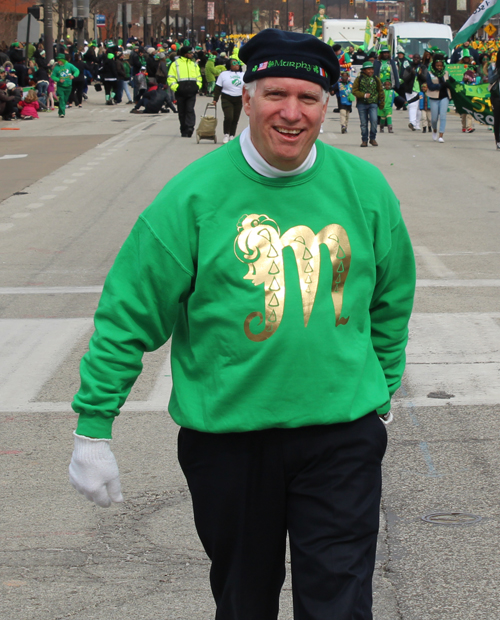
{"points": [[346, 31], [415, 37]]}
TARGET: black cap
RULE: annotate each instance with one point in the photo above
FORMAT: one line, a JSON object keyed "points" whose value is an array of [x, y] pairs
{"points": [[185, 49], [280, 53]]}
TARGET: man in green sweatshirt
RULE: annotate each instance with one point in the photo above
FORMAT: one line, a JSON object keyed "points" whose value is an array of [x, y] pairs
{"points": [[287, 300], [63, 74]]}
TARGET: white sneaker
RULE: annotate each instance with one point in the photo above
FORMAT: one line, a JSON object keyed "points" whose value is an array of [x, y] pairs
{"points": [[225, 139], [441, 140], [231, 137], [434, 135], [498, 146]]}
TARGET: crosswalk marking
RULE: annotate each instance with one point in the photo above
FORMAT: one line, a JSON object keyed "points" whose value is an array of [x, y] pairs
{"points": [[455, 353]]}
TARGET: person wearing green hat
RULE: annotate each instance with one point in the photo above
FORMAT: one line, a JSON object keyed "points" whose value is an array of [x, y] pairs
{"points": [[63, 74], [109, 75], [370, 97], [212, 73], [316, 23], [459, 51]]}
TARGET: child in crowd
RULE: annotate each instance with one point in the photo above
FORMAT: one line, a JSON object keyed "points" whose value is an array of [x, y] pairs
{"points": [[425, 108], [385, 114], [51, 89], [142, 81], [467, 120], [343, 90], [29, 106]]}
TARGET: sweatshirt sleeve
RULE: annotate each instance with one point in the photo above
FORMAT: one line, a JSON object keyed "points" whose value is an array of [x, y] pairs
{"points": [[136, 314], [391, 307]]}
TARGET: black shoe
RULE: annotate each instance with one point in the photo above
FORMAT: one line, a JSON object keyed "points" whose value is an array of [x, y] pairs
{"points": [[336, 110], [130, 102], [424, 130]]}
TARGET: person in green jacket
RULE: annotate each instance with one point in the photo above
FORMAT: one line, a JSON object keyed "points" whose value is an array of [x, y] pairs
{"points": [[282, 268], [212, 73], [63, 74]]}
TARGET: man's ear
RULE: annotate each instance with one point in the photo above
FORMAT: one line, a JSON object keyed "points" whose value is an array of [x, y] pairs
{"points": [[246, 101], [324, 110]]}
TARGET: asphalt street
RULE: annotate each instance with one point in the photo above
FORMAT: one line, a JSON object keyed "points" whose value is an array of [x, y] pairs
{"points": [[66, 208]]}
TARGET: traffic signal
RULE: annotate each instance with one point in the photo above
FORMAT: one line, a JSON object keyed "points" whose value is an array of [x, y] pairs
{"points": [[35, 11], [70, 23]]}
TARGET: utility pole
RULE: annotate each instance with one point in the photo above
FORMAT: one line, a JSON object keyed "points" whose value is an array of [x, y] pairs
{"points": [[193, 38], [124, 23], [82, 13], [48, 39]]}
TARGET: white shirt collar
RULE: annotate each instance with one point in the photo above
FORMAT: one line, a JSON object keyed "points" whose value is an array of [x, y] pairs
{"points": [[255, 160]]}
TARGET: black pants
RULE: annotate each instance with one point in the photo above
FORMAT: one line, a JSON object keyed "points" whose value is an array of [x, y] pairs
{"points": [[231, 106], [109, 88], [495, 103], [322, 484], [77, 89], [187, 117]]}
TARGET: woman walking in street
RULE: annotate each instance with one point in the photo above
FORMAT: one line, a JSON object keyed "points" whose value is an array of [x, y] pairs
{"points": [[229, 87], [439, 96]]}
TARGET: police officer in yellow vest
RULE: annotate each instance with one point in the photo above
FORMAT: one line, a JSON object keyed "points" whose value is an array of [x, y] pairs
{"points": [[184, 78]]}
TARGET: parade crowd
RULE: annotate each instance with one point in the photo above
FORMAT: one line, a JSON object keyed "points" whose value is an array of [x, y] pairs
{"points": [[168, 76]]}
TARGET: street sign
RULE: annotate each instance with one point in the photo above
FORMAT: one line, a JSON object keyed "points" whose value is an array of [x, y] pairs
{"points": [[100, 21], [447, 19], [210, 10], [490, 30]]}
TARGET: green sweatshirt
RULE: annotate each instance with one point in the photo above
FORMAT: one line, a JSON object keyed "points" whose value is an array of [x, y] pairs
{"points": [[215, 274], [63, 72]]}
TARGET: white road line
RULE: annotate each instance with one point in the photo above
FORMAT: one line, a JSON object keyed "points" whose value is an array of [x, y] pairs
{"points": [[78, 174], [20, 215], [32, 350], [433, 264], [48, 197], [60, 188], [13, 156], [68, 181], [86, 168], [4, 227], [457, 283], [35, 205], [49, 290], [457, 354]]}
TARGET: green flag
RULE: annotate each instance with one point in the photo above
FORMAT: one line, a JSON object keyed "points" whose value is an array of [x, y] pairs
{"points": [[482, 14], [474, 100], [368, 33]]}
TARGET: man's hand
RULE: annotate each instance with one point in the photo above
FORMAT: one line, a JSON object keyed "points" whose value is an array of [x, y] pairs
{"points": [[93, 471]]}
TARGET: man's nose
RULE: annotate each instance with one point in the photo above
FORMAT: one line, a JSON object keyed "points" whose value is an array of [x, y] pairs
{"points": [[291, 110]]}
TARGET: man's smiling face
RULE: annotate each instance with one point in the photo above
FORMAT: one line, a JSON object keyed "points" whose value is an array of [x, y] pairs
{"points": [[285, 118]]}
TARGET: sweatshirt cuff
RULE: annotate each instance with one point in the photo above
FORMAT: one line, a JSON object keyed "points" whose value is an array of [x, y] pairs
{"points": [[384, 408], [94, 426]]}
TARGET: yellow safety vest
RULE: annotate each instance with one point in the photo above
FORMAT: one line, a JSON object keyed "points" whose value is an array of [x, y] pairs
{"points": [[183, 70]]}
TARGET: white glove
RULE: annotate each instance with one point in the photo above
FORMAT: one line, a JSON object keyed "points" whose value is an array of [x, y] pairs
{"points": [[93, 471], [387, 418]]}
